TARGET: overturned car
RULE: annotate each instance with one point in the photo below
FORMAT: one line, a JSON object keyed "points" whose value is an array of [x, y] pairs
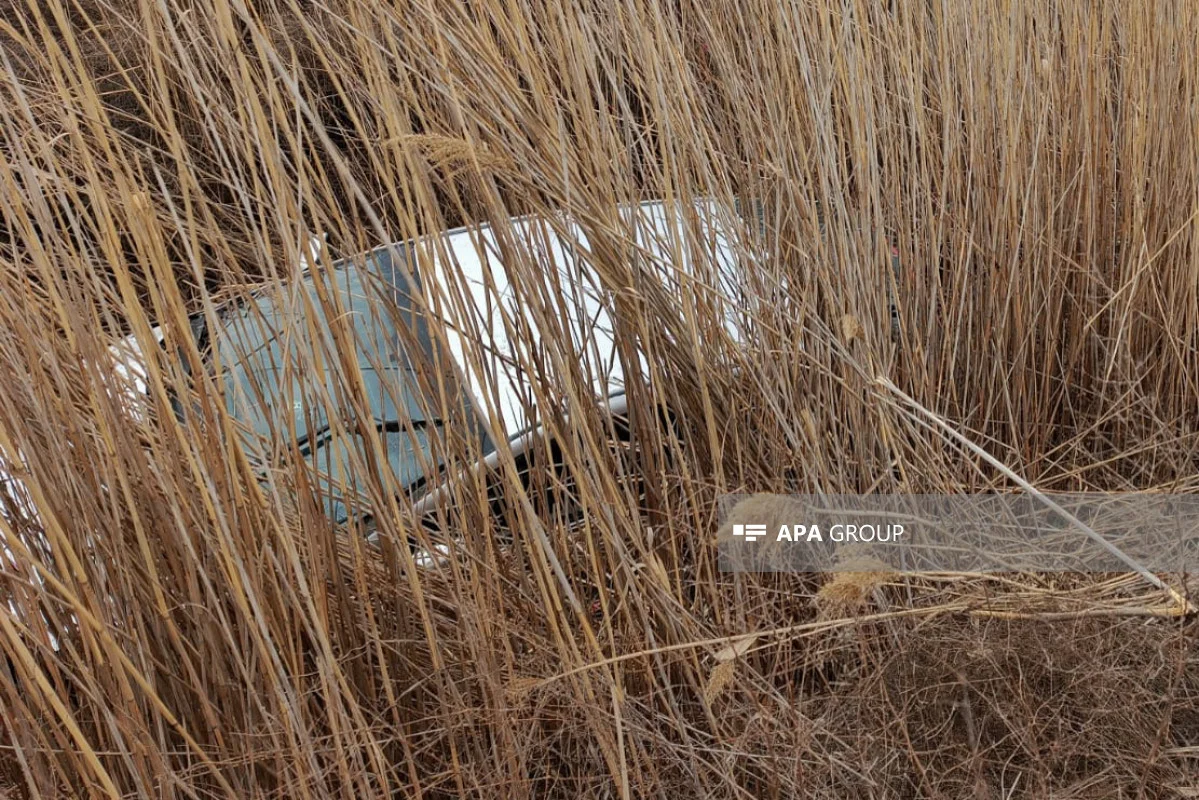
{"points": [[438, 333]]}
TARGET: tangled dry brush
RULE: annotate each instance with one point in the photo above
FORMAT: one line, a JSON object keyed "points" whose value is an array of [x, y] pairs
{"points": [[176, 627]]}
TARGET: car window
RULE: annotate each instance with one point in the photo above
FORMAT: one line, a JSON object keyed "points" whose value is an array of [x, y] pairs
{"points": [[278, 358]]}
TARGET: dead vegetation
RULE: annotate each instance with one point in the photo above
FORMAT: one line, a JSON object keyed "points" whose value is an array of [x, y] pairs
{"points": [[177, 628]]}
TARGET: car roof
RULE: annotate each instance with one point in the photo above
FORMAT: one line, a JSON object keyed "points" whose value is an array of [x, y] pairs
{"points": [[481, 307]]}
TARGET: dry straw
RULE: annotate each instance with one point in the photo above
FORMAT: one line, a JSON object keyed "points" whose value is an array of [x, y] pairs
{"points": [[181, 620]]}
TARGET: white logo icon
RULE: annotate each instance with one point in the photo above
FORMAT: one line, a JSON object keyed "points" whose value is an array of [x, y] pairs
{"points": [[749, 532]]}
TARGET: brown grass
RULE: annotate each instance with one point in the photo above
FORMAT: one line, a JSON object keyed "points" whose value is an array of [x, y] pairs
{"points": [[1037, 165]]}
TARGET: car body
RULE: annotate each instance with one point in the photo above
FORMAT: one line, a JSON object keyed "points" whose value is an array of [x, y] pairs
{"points": [[445, 305], [395, 296]]}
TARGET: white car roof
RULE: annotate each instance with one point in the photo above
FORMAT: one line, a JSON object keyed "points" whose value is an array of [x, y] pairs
{"points": [[671, 240]]}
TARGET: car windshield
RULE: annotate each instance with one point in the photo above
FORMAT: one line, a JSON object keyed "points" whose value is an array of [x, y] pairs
{"points": [[283, 379]]}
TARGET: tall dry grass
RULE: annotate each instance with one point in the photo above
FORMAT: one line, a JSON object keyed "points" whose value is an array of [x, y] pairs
{"points": [[177, 627]]}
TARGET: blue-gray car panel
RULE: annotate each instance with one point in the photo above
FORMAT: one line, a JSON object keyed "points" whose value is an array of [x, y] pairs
{"points": [[265, 348]]}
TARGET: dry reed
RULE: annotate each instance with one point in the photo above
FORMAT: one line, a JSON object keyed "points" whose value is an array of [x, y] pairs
{"points": [[175, 626]]}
